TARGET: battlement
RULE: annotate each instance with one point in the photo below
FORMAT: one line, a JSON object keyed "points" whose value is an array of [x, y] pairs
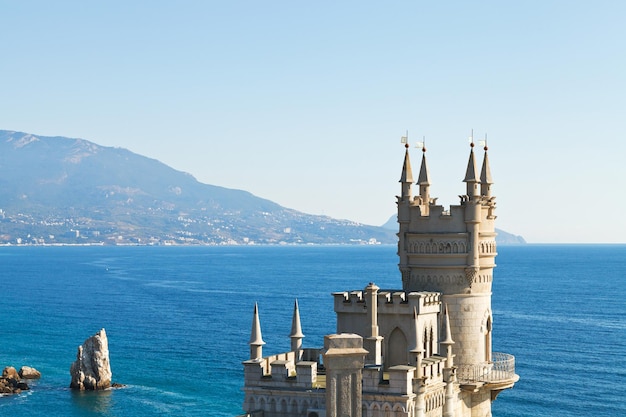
{"points": [[389, 302], [435, 219], [296, 370]]}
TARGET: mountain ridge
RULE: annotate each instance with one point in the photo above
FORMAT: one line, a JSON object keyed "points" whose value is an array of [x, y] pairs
{"points": [[65, 190]]}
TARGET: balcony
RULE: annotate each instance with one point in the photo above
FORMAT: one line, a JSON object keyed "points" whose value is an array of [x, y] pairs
{"points": [[499, 374]]}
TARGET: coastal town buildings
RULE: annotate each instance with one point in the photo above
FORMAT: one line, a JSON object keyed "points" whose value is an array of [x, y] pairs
{"points": [[422, 350]]}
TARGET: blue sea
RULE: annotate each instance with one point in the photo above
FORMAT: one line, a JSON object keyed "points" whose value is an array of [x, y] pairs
{"points": [[178, 322]]}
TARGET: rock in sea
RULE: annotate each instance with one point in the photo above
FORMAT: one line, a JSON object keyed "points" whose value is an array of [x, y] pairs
{"points": [[10, 382], [92, 369], [10, 373], [26, 372]]}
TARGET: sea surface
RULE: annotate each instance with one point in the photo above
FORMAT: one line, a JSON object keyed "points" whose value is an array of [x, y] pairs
{"points": [[178, 322]]}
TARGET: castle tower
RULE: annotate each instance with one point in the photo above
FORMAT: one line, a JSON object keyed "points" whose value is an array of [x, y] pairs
{"points": [[296, 331], [453, 252]]}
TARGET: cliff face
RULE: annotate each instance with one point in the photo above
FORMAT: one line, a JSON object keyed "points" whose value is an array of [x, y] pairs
{"points": [[92, 369]]}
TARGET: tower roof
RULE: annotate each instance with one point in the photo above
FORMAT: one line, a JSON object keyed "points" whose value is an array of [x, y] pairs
{"points": [[296, 328], [255, 335], [448, 335], [470, 173], [485, 173], [407, 174], [424, 177]]}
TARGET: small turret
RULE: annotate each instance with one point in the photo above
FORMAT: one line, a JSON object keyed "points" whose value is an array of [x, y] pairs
{"points": [[407, 176], [471, 178], [423, 181], [447, 342], [485, 175], [296, 330], [449, 372], [256, 340]]}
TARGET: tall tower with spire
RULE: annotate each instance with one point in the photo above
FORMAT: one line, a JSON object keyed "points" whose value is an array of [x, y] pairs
{"points": [[453, 252]]}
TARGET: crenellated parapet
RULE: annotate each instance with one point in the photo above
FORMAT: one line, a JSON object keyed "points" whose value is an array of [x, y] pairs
{"points": [[284, 370], [389, 302]]}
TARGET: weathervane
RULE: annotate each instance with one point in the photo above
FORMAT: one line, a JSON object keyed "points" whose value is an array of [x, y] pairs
{"points": [[405, 140], [421, 145], [483, 143]]}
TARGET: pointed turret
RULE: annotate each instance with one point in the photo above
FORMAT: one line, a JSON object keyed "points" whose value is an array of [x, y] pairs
{"points": [[471, 179], [424, 181], [472, 214], [447, 342], [256, 340], [449, 372], [296, 329], [485, 175], [407, 176]]}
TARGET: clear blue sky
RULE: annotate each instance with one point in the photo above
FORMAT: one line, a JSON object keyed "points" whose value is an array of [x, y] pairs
{"points": [[304, 103]]}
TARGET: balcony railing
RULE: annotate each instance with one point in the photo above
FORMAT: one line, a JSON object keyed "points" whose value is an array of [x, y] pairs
{"points": [[500, 369]]}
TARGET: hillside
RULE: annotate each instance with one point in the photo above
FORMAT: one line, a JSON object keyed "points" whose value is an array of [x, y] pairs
{"points": [[57, 190]]}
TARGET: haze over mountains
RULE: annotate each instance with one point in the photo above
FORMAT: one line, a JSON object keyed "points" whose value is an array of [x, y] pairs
{"points": [[61, 190], [57, 190]]}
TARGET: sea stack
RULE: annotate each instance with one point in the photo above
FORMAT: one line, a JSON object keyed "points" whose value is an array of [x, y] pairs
{"points": [[92, 369]]}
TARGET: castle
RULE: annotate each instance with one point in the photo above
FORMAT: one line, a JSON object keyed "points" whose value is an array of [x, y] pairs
{"points": [[420, 351]]}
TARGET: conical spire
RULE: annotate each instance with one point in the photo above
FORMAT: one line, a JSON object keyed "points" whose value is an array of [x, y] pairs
{"points": [[470, 173], [407, 174], [447, 342], [296, 331], [448, 333], [255, 335], [296, 328], [423, 181], [471, 179], [424, 178], [485, 175]]}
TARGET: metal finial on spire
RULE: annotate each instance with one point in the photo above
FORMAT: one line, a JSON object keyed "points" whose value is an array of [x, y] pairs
{"points": [[471, 139]]}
